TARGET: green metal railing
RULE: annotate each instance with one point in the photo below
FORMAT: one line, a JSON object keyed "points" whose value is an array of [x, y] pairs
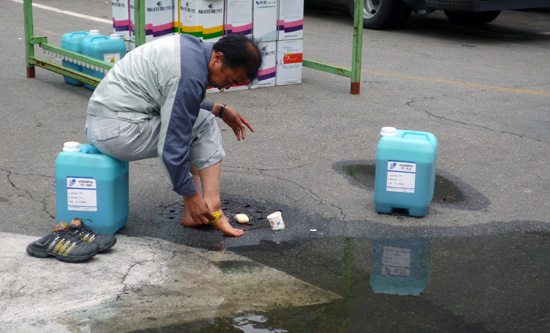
{"points": [[32, 60], [31, 40], [355, 72]]}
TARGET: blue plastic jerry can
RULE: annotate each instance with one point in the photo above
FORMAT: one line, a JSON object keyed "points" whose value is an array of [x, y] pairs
{"points": [[405, 171], [72, 41], [109, 49], [91, 186]]}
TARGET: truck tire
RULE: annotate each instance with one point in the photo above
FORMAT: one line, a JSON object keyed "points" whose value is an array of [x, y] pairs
{"points": [[382, 14], [471, 18]]}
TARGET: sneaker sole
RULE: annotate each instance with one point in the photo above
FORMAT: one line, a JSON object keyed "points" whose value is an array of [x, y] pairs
{"points": [[40, 253]]}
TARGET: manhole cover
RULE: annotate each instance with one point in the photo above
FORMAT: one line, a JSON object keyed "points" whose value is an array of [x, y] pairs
{"points": [[257, 215]]}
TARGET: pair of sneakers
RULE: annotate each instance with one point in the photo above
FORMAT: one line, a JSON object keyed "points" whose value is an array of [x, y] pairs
{"points": [[71, 243]]}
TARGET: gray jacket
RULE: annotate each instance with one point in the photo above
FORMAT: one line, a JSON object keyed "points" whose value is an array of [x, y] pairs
{"points": [[166, 77]]}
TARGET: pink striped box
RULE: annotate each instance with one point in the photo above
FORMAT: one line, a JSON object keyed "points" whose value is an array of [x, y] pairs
{"points": [[266, 74], [121, 20], [264, 20], [238, 17], [290, 23], [159, 19]]}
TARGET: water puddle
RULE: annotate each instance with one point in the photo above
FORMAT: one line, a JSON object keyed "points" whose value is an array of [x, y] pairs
{"points": [[482, 283], [448, 191]]}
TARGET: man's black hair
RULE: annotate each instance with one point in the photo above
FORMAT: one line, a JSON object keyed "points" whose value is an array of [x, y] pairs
{"points": [[238, 50]]}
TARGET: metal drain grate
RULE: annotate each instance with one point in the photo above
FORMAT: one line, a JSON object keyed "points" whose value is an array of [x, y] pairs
{"points": [[257, 215]]}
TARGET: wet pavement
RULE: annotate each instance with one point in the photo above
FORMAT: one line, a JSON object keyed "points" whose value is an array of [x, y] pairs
{"points": [[476, 262], [399, 280], [491, 283]]}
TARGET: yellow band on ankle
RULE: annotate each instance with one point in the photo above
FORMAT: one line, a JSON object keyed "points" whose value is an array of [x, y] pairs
{"points": [[217, 216]]}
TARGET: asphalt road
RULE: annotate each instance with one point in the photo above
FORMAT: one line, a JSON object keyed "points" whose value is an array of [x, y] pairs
{"points": [[483, 92]]}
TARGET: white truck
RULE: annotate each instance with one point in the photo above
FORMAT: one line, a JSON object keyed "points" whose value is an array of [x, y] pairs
{"points": [[384, 14]]}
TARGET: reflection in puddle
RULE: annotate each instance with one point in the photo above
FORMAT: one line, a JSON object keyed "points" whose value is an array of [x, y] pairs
{"points": [[400, 266], [254, 323], [491, 283]]}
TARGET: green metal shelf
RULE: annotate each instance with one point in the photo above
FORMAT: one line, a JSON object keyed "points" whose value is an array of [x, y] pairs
{"points": [[355, 73], [41, 41], [31, 40]]}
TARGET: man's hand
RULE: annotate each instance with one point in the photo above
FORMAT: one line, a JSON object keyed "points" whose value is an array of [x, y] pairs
{"points": [[234, 120], [198, 209]]}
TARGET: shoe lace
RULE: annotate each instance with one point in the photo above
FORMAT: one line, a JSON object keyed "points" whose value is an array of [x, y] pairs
{"points": [[69, 236], [86, 229]]}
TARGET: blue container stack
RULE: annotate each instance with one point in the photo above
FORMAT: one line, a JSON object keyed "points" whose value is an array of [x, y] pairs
{"points": [[71, 41], [405, 171], [92, 44], [102, 48], [93, 186]]}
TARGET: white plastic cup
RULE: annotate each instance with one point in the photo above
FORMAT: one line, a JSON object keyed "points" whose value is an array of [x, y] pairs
{"points": [[276, 221]]}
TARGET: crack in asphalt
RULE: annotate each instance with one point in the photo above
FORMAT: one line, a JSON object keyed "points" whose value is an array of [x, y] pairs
{"points": [[8, 178], [125, 287], [260, 171], [28, 193], [410, 104]]}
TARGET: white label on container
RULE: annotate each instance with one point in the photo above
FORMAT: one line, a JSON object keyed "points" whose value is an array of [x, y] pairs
{"points": [[401, 177], [111, 57], [82, 194], [396, 261]]}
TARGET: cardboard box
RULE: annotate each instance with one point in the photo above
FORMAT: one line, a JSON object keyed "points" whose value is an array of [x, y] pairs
{"points": [[121, 17], [210, 90], [264, 20], [238, 87], [266, 74], [290, 24], [289, 61], [202, 19], [159, 19], [187, 22], [238, 17], [210, 14]]}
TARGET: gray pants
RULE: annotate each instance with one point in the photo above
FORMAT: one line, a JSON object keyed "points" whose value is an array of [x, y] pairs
{"points": [[128, 141]]}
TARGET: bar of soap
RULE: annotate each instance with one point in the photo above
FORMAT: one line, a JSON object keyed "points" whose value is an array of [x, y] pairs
{"points": [[242, 218], [216, 217]]}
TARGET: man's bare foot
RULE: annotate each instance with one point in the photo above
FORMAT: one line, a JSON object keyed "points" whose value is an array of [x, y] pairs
{"points": [[222, 224], [226, 228], [188, 222]]}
